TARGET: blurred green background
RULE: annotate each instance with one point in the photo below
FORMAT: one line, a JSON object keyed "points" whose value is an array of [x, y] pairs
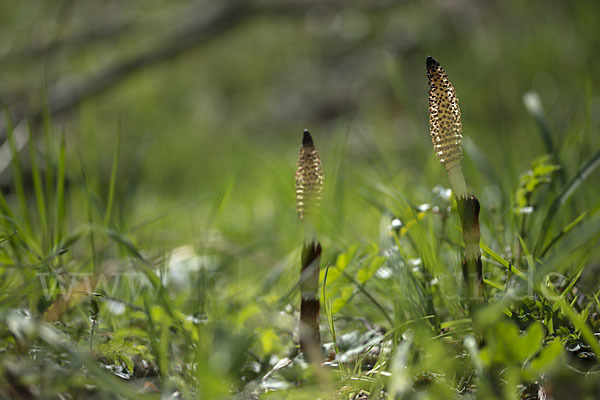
{"points": [[210, 98], [206, 102], [229, 106]]}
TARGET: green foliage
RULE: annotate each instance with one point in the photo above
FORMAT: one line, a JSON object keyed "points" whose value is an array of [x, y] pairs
{"points": [[531, 181], [117, 351], [507, 347]]}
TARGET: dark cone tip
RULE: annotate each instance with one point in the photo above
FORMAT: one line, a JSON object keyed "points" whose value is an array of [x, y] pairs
{"points": [[431, 62], [307, 139]]}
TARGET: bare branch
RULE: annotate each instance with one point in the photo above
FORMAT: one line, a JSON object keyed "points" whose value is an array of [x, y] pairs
{"points": [[208, 24]]}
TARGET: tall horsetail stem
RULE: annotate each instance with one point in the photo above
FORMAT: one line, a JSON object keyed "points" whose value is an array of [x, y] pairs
{"points": [[446, 134], [309, 185]]}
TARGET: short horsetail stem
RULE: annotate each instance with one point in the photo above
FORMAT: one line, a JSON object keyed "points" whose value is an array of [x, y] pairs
{"points": [[309, 185], [446, 134]]}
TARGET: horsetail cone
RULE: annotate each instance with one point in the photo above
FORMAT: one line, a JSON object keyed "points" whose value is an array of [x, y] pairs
{"points": [[444, 115], [309, 177], [445, 124]]}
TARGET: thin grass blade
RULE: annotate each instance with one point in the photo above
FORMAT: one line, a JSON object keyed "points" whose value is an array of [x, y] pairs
{"points": [[113, 178], [60, 193], [38, 186], [579, 178], [17, 173]]}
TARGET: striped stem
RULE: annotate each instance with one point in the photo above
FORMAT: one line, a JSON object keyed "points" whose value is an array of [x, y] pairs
{"points": [[468, 209], [310, 306], [309, 185]]}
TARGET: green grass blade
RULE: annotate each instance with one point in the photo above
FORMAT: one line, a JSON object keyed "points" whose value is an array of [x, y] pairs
{"points": [[60, 193], [563, 232], [364, 291], [583, 173], [493, 284], [113, 178], [49, 161], [90, 215], [502, 261], [5, 209], [37, 185], [133, 250], [457, 322], [533, 104], [571, 284], [328, 311], [17, 173], [528, 255], [220, 201]]}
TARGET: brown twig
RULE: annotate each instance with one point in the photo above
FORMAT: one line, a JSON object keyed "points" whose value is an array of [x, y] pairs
{"points": [[206, 24]]}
